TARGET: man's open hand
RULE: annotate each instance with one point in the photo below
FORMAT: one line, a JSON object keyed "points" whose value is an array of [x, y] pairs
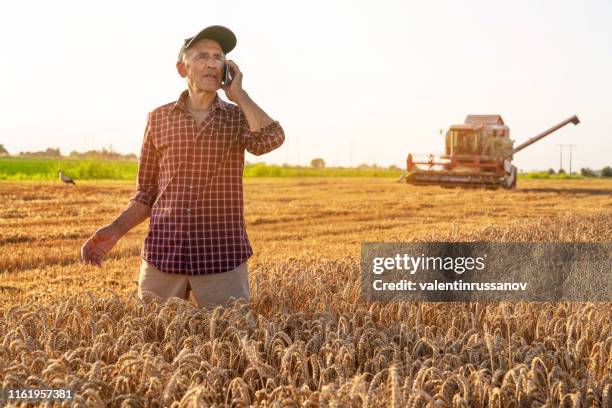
{"points": [[100, 243]]}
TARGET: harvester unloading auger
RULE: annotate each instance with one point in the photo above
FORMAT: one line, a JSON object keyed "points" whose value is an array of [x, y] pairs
{"points": [[478, 154]]}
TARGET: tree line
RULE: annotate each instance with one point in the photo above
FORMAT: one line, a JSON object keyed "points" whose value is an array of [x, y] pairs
{"points": [[54, 152], [587, 172]]}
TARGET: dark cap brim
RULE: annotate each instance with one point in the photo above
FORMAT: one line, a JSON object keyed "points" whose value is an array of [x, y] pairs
{"points": [[222, 35]]}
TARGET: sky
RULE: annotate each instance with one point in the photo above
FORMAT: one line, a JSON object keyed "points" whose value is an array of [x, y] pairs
{"points": [[350, 81]]}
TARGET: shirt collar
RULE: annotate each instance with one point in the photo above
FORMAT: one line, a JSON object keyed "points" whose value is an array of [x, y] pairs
{"points": [[218, 103]]}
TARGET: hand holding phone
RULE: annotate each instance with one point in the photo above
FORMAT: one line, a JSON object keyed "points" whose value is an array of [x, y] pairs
{"points": [[227, 79], [232, 82]]}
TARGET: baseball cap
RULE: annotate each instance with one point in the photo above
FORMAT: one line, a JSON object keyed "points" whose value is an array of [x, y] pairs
{"points": [[223, 35]]}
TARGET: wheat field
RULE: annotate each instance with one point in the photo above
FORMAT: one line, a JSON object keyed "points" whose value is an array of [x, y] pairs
{"points": [[306, 338]]}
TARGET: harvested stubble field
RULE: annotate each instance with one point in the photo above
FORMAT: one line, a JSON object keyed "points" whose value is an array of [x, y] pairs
{"points": [[305, 339]]}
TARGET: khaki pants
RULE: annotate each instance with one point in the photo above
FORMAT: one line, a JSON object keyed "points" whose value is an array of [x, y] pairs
{"points": [[206, 290]]}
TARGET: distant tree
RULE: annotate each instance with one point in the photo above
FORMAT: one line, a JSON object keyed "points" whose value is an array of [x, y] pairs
{"points": [[606, 171], [53, 152], [586, 172], [106, 154], [3, 151], [561, 171], [394, 168], [552, 171], [317, 163], [49, 152]]}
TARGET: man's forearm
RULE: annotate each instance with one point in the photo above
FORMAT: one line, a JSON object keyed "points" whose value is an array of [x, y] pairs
{"points": [[256, 116], [134, 214]]}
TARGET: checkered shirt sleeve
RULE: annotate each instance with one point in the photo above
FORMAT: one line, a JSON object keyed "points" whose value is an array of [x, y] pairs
{"points": [[148, 169]]}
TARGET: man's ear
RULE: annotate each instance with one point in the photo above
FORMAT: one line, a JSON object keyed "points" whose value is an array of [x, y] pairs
{"points": [[181, 68]]}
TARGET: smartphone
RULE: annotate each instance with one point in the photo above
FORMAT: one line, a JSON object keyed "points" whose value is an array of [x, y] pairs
{"points": [[227, 79]]}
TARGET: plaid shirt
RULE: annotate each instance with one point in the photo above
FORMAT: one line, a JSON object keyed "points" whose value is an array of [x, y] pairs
{"points": [[191, 177]]}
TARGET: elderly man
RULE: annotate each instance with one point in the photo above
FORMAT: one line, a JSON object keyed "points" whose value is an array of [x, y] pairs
{"points": [[190, 181]]}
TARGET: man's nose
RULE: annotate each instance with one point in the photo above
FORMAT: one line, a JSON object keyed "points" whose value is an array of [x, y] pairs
{"points": [[211, 63]]}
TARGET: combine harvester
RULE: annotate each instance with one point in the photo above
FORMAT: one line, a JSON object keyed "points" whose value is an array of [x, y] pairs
{"points": [[478, 154]]}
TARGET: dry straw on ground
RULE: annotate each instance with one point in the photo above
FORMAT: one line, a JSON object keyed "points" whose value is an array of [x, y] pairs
{"points": [[306, 339]]}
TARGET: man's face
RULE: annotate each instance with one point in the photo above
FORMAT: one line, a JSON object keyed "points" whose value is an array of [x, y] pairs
{"points": [[202, 66]]}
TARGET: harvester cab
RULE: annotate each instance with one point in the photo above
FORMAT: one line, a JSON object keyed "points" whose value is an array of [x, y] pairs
{"points": [[478, 153]]}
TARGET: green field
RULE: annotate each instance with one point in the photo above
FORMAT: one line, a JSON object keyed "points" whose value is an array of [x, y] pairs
{"points": [[47, 169], [13, 168], [543, 175], [20, 168]]}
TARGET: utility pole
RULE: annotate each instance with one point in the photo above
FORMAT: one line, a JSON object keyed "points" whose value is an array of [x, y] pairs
{"points": [[561, 146], [560, 157], [570, 165]]}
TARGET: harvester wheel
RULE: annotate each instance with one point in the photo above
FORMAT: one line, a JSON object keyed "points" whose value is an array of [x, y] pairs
{"points": [[512, 178]]}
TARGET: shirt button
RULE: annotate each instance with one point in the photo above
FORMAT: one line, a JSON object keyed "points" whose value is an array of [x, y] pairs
{"points": [[189, 210], [191, 187]]}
